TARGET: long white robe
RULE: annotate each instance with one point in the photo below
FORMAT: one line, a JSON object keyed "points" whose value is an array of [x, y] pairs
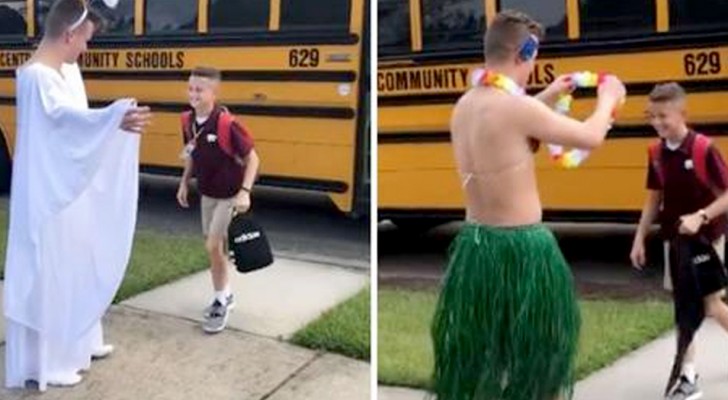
{"points": [[73, 207]]}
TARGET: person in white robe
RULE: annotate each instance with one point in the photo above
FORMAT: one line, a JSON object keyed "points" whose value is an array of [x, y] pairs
{"points": [[73, 206]]}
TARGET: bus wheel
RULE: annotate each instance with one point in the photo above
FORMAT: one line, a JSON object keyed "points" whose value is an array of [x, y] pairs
{"points": [[5, 165]]}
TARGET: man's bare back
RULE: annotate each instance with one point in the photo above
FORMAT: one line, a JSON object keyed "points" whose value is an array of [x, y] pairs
{"points": [[494, 160], [491, 132]]}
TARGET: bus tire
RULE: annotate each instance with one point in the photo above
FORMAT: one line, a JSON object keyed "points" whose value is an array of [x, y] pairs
{"points": [[5, 165]]}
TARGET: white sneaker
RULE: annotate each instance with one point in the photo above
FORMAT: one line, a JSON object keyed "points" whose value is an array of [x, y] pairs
{"points": [[64, 379], [102, 352]]}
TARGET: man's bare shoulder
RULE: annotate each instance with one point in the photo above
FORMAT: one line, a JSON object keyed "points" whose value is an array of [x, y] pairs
{"points": [[489, 103], [476, 101]]}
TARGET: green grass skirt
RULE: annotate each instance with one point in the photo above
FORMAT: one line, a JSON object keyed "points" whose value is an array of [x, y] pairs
{"points": [[507, 321]]}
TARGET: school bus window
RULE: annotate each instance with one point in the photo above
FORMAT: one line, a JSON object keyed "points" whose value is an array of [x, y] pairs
{"points": [[315, 15], [238, 15], [600, 19], [394, 26], [12, 18], [118, 20], [452, 24], [703, 15], [41, 10], [551, 14], [171, 16]]}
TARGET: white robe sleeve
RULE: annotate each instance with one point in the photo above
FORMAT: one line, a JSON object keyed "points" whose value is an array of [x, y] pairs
{"points": [[79, 136], [72, 207]]}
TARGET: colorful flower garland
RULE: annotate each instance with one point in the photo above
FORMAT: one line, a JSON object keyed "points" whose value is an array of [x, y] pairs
{"points": [[569, 159]]}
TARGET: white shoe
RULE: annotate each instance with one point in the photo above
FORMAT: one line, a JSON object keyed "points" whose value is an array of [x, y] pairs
{"points": [[64, 379], [102, 352]]}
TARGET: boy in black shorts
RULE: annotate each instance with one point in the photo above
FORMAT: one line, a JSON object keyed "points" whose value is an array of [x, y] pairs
{"points": [[687, 181]]}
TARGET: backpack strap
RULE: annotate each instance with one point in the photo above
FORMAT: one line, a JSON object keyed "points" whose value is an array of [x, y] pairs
{"points": [[186, 132], [701, 145], [655, 157], [225, 123]]}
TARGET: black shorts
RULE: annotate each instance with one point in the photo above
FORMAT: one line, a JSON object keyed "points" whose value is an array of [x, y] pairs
{"points": [[696, 268], [710, 278]]}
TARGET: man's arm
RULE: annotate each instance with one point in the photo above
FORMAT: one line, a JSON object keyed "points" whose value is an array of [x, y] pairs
{"points": [[540, 122], [536, 120], [561, 85]]}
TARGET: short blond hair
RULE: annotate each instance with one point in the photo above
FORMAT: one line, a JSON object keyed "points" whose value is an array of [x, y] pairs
{"points": [[207, 72], [667, 92], [62, 15], [507, 32]]}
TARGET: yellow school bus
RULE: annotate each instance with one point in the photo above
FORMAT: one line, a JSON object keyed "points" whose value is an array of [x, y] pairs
{"points": [[428, 48], [296, 72]]}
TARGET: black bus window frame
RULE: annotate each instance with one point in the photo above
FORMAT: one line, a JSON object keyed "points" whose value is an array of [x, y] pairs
{"points": [[217, 28], [553, 32], [11, 15], [295, 22], [189, 27], [107, 12], [450, 37], [41, 8], [403, 46], [594, 29], [679, 22]]}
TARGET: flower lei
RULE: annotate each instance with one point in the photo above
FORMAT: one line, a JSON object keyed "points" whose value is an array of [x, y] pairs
{"points": [[566, 159]]}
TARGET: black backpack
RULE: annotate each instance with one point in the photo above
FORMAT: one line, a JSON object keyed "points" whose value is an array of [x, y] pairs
{"points": [[248, 245], [691, 257]]}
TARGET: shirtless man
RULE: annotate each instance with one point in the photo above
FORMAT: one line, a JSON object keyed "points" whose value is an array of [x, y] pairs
{"points": [[507, 321]]}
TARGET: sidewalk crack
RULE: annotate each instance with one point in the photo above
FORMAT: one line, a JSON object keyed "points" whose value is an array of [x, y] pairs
{"points": [[293, 375]]}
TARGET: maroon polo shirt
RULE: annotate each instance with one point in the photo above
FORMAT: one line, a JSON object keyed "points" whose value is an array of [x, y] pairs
{"points": [[683, 193], [218, 175]]}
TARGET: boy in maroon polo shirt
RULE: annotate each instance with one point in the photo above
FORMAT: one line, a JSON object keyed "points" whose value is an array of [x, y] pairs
{"points": [[224, 179], [686, 205]]}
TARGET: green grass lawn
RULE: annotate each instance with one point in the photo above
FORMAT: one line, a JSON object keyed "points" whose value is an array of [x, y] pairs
{"points": [[345, 329], [156, 259], [609, 330]]}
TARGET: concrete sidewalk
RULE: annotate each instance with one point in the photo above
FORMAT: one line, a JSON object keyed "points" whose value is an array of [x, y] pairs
{"points": [[163, 354], [166, 358], [642, 374], [275, 301], [397, 393]]}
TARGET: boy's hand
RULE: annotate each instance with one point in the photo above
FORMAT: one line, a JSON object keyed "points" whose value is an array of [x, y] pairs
{"points": [[242, 202], [182, 195], [637, 255], [690, 224]]}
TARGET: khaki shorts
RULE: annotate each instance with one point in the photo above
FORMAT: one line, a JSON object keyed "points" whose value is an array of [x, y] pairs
{"points": [[216, 215], [718, 245]]}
